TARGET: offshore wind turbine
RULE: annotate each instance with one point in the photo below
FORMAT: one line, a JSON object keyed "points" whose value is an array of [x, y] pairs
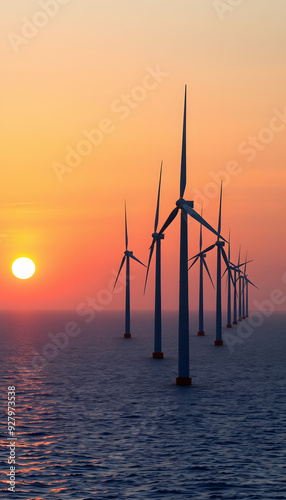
{"points": [[247, 282], [239, 289], [243, 289], [157, 354], [236, 274], [186, 208], [127, 256], [235, 271], [229, 325], [203, 265], [220, 253]]}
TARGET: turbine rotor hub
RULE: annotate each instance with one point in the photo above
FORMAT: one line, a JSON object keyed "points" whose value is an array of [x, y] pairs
{"points": [[128, 253], [156, 236], [180, 202]]}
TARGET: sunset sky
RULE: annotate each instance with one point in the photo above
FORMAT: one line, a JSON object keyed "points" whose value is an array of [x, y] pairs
{"points": [[113, 72]]}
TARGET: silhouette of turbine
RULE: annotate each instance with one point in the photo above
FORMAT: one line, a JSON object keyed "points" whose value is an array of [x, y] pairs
{"points": [[127, 256], [186, 208], [220, 253], [203, 265], [157, 354]]}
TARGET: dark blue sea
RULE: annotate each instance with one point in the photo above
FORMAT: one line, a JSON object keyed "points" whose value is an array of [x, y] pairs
{"points": [[98, 418]]}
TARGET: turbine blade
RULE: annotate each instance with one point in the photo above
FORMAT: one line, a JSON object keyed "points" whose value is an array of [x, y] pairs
{"points": [[158, 201], [183, 179], [229, 245], [239, 255], [149, 262], [219, 215], [207, 270], [170, 219], [126, 232], [250, 282], [201, 232], [121, 265], [137, 260], [196, 216], [193, 263], [243, 263], [224, 273], [204, 251], [226, 263]]}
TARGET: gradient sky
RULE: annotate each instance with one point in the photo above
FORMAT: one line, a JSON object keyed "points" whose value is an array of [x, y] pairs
{"points": [[71, 75]]}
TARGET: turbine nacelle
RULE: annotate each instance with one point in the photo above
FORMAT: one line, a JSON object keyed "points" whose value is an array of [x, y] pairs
{"points": [[128, 253], [220, 243], [181, 201], [157, 236]]}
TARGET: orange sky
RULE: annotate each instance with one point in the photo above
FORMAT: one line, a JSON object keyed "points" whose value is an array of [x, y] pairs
{"points": [[72, 70]]}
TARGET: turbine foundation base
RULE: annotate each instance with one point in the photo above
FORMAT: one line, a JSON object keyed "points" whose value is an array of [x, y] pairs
{"points": [[201, 333], [228, 326], [183, 381], [127, 335], [234, 322], [158, 355], [239, 319], [218, 342]]}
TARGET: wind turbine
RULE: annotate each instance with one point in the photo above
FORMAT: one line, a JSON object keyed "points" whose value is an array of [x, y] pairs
{"points": [[235, 270], [203, 265], [157, 354], [186, 208], [243, 289], [127, 256], [239, 288], [229, 325], [245, 285], [220, 253]]}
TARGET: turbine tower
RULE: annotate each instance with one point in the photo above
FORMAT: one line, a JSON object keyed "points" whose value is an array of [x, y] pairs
{"points": [[127, 256], [157, 354], [247, 282], [203, 265], [229, 325], [220, 253], [186, 208]]}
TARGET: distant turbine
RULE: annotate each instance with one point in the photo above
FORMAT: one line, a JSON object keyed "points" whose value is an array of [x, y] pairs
{"points": [[236, 277], [127, 256], [229, 325], [220, 253], [239, 289], [246, 281], [157, 354], [201, 285], [243, 289], [186, 208], [235, 270]]}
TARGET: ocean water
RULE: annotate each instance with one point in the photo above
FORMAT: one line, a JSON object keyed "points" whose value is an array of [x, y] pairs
{"points": [[101, 419]]}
